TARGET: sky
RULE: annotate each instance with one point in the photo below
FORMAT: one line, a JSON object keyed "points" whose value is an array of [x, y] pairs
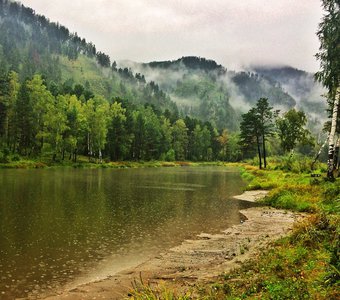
{"points": [[235, 33]]}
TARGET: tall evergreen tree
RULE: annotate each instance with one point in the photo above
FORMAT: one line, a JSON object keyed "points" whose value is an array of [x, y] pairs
{"points": [[250, 133], [265, 116]]}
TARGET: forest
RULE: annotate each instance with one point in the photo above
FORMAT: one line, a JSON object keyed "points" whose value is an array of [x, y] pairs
{"points": [[47, 112], [37, 121]]}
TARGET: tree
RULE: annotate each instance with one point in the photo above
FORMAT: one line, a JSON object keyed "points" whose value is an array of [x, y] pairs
{"points": [[56, 125], [117, 143], [97, 116], [9, 88], [234, 152], [41, 101], [291, 129], [223, 141], [23, 121], [153, 134], [180, 139], [329, 74], [166, 139], [256, 126], [197, 139], [76, 125], [206, 144], [250, 133], [265, 117]]}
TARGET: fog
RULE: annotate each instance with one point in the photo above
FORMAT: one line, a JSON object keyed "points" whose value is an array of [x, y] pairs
{"points": [[232, 32]]}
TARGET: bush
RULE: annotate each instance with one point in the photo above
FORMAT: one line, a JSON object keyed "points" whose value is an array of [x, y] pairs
{"points": [[15, 157], [170, 155], [4, 157]]}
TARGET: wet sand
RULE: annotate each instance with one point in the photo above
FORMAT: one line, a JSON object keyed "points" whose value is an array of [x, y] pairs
{"points": [[200, 259]]}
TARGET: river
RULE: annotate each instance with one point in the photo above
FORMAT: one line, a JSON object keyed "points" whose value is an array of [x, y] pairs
{"points": [[68, 226]]}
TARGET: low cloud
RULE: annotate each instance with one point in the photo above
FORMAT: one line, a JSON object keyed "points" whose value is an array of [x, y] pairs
{"points": [[234, 33]]}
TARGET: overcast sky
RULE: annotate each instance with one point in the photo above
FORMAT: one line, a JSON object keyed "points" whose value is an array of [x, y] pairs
{"points": [[232, 32]]}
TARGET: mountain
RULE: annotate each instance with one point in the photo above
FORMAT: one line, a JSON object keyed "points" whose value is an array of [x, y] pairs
{"points": [[204, 89], [31, 44], [303, 88]]}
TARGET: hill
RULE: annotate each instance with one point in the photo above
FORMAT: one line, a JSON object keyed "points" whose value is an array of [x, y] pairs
{"points": [[204, 89], [32, 44], [301, 85]]}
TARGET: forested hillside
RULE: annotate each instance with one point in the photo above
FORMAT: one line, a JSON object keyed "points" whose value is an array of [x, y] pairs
{"points": [[31, 44], [204, 89]]}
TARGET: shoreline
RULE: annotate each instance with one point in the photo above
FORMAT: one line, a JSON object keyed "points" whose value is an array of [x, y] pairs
{"points": [[85, 164], [200, 259]]}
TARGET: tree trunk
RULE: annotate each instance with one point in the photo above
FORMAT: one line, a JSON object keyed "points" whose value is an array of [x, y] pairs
{"points": [[264, 151], [89, 147], [259, 151], [332, 141], [6, 129], [336, 157], [319, 153], [100, 156]]}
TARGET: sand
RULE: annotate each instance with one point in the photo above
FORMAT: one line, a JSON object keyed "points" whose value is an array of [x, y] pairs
{"points": [[198, 260]]}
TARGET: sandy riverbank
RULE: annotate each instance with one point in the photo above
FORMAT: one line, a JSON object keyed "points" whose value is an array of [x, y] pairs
{"points": [[197, 260]]}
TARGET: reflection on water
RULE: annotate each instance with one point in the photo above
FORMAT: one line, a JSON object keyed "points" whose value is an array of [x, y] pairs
{"points": [[56, 225]]}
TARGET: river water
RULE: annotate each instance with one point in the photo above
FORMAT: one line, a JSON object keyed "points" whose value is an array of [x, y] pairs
{"points": [[68, 226]]}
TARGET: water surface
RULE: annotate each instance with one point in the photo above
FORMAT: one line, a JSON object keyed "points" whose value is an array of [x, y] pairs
{"points": [[68, 225]]}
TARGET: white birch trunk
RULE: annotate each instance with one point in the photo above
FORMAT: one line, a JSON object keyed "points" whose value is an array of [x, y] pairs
{"points": [[100, 156], [332, 137], [319, 153]]}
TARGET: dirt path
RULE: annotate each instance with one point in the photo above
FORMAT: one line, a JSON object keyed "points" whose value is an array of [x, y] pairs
{"points": [[200, 259]]}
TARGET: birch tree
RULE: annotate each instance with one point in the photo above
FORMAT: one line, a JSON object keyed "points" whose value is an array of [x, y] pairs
{"points": [[329, 57], [97, 114]]}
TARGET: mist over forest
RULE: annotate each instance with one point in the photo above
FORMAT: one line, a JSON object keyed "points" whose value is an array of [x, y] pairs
{"points": [[202, 88]]}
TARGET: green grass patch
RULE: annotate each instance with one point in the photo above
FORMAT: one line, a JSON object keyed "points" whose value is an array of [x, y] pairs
{"points": [[303, 266]]}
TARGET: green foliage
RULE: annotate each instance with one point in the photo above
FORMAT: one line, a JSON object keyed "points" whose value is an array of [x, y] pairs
{"points": [[39, 122], [169, 156], [296, 164], [291, 129], [256, 126], [180, 139], [331, 197], [329, 35]]}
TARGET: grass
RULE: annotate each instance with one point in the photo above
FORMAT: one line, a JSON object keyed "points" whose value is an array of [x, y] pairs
{"points": [[83, 162], [304, 265], [142, 291]]}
